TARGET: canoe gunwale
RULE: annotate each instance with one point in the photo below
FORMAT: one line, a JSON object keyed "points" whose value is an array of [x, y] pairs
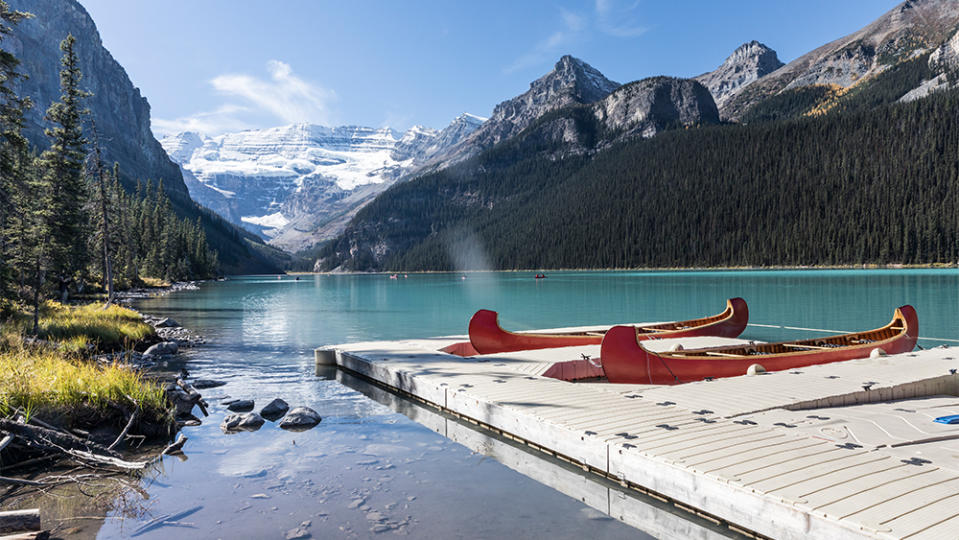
{"points": [[488, 337]]}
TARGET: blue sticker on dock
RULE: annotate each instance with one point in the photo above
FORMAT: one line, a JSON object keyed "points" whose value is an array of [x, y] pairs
{"points": [[954, 419]]}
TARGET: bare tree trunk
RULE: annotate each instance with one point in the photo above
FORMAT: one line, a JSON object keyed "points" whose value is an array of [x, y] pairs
{"points": [[105, 217], [37, 285]]}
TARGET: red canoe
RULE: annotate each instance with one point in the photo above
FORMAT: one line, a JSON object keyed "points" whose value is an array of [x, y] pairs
{"points": [[487, 337], [625, 360]]}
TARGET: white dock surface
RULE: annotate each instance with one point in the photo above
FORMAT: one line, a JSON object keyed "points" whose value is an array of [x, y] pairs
{"points": [[844, 450]]}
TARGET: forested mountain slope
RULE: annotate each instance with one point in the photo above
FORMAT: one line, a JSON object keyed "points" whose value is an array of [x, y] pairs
{"points": [[858, 185]]}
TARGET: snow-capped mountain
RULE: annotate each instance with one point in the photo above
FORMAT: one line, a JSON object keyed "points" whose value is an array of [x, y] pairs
{"points": [[287, 182]]}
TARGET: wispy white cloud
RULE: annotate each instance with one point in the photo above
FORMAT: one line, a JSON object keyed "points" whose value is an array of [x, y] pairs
{"points": [[282, 98], [572, 25], [619, 19], [614, 18], [221, 120], [285, 95]]}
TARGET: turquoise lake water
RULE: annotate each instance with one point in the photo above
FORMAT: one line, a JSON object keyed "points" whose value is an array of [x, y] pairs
{"points": [[317, 310], [368, 470]]}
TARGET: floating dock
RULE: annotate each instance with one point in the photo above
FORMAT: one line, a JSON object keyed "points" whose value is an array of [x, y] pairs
{"points": [[844, 450]]}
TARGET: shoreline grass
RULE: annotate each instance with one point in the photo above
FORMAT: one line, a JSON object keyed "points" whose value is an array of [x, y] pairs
{"points": [[75, 329], [59, 375]]}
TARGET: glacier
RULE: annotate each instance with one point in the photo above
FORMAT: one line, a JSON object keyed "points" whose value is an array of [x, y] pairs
{"points": [[299, 184]]}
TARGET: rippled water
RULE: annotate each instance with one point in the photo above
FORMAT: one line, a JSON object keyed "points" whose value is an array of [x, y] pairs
{"points": [[368, 470]]}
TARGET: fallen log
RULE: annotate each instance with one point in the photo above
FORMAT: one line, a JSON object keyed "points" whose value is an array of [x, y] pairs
{"points": [[33, 535], [20, 520], [32, 419], [54, 440]]}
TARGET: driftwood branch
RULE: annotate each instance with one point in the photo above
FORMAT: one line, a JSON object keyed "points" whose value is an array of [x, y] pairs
{"points": [[126, 429], [6, 441], [19, 482], [174, 447], [107, 460]]}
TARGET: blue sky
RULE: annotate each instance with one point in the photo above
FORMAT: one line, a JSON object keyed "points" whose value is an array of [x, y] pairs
{"points": [[224, 65]]}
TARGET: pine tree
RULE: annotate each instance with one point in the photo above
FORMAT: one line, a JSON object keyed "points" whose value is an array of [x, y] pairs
{"points": [[64, 194], [13, 146]]}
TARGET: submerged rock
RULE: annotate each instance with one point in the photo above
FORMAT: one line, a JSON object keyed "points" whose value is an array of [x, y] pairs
{"points": [[300, 419], [303, 531], [240, 405], [275, 409], [242, 422], [201, 384], [165, 348]]}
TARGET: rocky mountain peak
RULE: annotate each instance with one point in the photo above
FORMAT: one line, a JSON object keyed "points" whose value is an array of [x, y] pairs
{"points": [[754, 54], [577, 80], [570, 82], [749, 62]]}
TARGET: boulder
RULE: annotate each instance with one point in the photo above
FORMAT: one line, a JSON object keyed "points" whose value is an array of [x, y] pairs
{"points": [[164, 348], [242, 422], [166, 323], [241, 405], [300, 419], [275, 409], [183, 402]]}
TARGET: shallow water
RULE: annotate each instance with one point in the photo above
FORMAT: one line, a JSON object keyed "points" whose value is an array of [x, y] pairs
{"points": [[368, 470]]}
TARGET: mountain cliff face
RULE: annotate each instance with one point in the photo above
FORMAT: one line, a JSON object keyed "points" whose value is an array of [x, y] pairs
{"points": [[642, 108], [651, 105], [571, 82], [910, 29], [298, 185], [750, 62], [122, 115]]}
